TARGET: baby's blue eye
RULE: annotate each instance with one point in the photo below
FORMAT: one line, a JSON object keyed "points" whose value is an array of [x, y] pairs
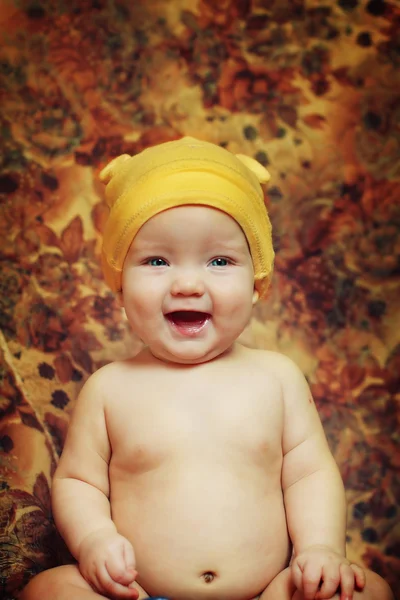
{"points": [[219, 262], [156, 262]]}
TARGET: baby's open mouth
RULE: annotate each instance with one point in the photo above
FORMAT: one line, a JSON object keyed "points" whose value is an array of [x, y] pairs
{"points": [[188, 322]]}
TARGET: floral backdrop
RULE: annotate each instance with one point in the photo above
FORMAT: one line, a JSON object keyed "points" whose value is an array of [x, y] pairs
{"points": [[311, 88]]}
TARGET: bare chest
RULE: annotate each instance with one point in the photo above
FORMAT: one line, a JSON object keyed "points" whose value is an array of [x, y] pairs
{"points": [[177, 420]]}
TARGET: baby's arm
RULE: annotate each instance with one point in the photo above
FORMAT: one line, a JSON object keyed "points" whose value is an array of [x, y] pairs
{"points": [[314, 496], [80, 498]]}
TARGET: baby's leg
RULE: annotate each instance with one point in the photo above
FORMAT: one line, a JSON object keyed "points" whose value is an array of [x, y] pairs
{"points": [[64, 583], [282, 588]]}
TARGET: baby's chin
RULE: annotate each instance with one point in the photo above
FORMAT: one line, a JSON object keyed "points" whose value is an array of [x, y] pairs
{"points": [[187, 356]]}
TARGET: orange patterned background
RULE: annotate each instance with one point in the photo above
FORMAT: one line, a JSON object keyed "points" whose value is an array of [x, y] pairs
{"points": [[312, 90]]}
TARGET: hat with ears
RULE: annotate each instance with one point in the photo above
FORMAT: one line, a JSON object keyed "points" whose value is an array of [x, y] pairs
{"points": [[185, 172]]}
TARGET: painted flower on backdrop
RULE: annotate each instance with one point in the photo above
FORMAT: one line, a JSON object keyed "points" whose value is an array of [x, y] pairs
{"points": [[377, 138], [365, 232], [255, 89]]}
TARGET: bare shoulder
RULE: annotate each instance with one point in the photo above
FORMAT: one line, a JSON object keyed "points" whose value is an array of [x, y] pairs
{"points": [[275, 362], [115, 382], [98, 381], [110, 376]]}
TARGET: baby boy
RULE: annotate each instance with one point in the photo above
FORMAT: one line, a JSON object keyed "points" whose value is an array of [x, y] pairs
{"points": [[199, 469]]}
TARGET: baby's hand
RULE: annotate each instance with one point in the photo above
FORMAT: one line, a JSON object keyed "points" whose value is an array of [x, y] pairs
{"points": [[318, 572], [107, 562]]}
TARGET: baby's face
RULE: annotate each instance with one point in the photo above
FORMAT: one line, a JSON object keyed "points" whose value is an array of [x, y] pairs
{"points": [[188, 284]]}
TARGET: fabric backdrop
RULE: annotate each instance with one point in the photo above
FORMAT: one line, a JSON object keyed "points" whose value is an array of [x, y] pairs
{"points": [[312, 90]]}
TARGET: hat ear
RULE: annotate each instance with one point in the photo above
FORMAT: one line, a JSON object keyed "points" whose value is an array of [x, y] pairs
{"points": [[109, 170], [255, 167]]}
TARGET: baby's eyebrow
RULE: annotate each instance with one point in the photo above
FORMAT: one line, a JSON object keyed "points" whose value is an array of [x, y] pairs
{"points": [[168, 246], [148, 245], [233, 246]]}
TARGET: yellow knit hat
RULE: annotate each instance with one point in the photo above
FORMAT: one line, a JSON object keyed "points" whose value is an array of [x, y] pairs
{"points": [[185, 171]]}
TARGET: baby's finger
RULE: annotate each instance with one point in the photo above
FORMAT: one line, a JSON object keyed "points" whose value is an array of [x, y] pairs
{"points": [[311, 580], [114, 589], [359, 575], [330, 581], [94, 581], [297, 575], [129, 558], [346, 582], [115, 565]]}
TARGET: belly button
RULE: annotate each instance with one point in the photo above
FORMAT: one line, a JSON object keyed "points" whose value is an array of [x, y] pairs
{"points": [[208, 576]]}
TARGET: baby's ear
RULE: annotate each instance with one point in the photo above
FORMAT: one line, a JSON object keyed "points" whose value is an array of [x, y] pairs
{"points": [[256, 297]]}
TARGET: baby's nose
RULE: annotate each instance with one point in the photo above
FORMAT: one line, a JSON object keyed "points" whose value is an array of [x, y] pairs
{"points": [[187, 284]]}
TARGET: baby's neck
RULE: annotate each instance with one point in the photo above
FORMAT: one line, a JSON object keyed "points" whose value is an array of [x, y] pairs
{"points": [[152, 357]]}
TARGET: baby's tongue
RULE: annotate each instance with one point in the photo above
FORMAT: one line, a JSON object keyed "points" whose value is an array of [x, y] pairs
{"points": [[188, 322]]}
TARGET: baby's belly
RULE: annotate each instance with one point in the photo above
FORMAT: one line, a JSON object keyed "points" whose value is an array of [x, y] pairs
{"points": [[203, 534]]}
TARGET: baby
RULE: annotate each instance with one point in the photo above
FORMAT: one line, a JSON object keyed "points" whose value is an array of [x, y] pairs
{"points": [[199, 469]]}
